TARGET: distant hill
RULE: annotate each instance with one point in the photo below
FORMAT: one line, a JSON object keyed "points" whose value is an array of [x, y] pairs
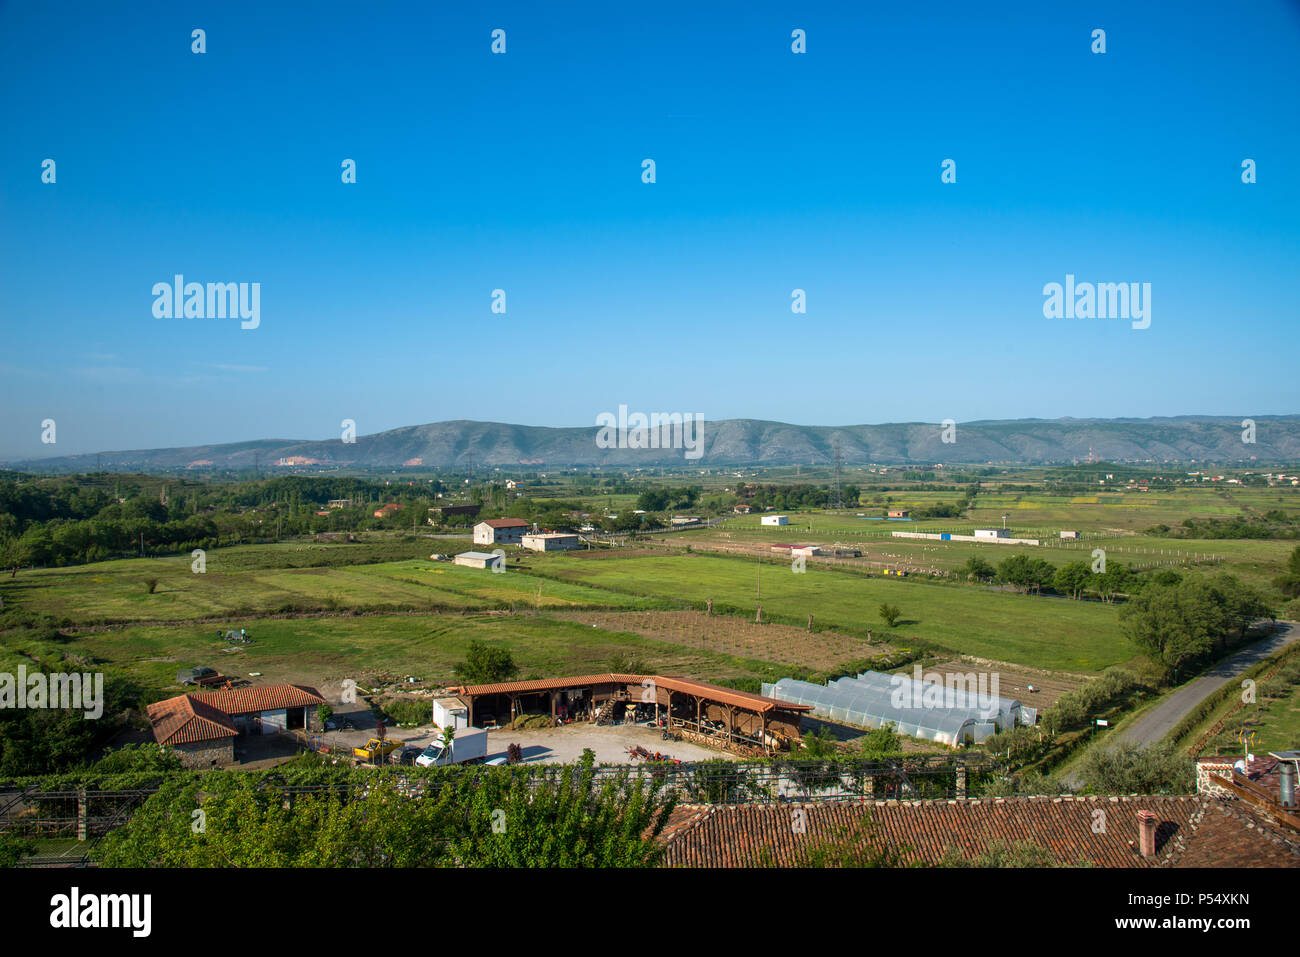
{"points": [[733, 442]]}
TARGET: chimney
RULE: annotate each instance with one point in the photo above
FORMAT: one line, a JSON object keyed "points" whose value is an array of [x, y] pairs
{"points": [[1147, 833], [1286, 789]]}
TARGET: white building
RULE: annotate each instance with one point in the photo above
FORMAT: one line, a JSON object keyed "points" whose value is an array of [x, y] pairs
{"points": [[551, 542], [992, 533], [496, 531], [1069, 534], [476, 559], [775, 520], [450, 713]]}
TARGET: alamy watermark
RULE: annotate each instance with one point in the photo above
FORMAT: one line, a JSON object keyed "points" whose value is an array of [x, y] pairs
{"points": [[934, 690], [215, 300], [38, 690], [1103, 300], [658, 430]]}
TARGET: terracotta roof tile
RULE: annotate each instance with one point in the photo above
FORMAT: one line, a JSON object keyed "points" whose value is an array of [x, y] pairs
{"points": [[206, 716], [181, 720], [740, 699], [260, 698], [1068, 827]]}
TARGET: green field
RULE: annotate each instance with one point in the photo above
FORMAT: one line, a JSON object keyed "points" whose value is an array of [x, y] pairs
{"points": [[1036, 631], [114, 592], [318, 650]]}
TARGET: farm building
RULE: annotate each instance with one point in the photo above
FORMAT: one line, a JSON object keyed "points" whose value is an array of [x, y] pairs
{"points": [[201, 727], [804, 550], [775, 519], [699, 711], [686, 520], [742, 509], [476, 559], [450, 713], [385, 510], [496, 531], [1069, 534], [550, 542], [992, 533], [900, 513]]}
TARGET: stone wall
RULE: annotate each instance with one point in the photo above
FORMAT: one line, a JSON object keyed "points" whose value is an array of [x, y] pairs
{"points": [[205, 754], [1207, 766]]}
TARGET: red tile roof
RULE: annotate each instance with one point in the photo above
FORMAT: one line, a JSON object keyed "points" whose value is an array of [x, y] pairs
{"points": [[739, 699], [549, 684], [261, 698], [750, 835], [206, 716], [182, 720], [504, 522]]}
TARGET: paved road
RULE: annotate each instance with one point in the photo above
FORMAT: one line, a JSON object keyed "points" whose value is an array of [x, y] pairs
{"points": [[1161, 719]]}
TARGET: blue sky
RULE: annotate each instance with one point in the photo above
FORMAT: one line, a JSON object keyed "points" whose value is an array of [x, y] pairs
{"points": [[522, 172]]}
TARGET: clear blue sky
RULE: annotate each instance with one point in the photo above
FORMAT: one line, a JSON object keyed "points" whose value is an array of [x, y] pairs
{"points": [[523, 172]]}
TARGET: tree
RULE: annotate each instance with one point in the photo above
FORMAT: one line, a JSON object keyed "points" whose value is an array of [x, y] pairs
{"points": [[485, 664], [13, 555], [889, 614], [1072, 579], [1115, 580], [1289, 582], [1178, 626], [977, 569], [1025, 573]]}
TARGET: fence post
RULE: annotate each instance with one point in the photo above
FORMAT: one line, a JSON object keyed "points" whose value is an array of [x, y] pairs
{"points": [[82, 815]]}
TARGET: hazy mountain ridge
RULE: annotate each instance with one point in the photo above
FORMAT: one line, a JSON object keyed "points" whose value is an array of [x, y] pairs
{"points": [[461, 443]]}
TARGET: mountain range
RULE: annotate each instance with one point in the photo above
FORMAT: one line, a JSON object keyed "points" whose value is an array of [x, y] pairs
{"points": [[730, 442]]}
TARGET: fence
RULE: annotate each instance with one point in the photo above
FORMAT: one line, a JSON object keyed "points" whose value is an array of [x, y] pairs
{"points": [[72, 821]]}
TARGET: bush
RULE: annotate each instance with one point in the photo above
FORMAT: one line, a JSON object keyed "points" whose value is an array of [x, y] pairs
{"points": [[138, 757], [1127, 768], [1074, 709], [409, 711], [149, 585]]}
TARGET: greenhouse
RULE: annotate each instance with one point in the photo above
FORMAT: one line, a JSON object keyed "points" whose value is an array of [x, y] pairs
{"points": [[970, 691], [920, 709]]}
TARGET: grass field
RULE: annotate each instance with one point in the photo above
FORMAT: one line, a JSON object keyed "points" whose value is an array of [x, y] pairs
{"points": [[323, 651], [1036, 631], [114, 592]]}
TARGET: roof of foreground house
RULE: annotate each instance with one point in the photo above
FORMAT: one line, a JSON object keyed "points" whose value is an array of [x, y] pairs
{"points": [[181, 720], [1101, 831]]}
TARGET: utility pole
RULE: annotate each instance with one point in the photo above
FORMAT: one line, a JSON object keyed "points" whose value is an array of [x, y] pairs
{"points": [[837, 498]]}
